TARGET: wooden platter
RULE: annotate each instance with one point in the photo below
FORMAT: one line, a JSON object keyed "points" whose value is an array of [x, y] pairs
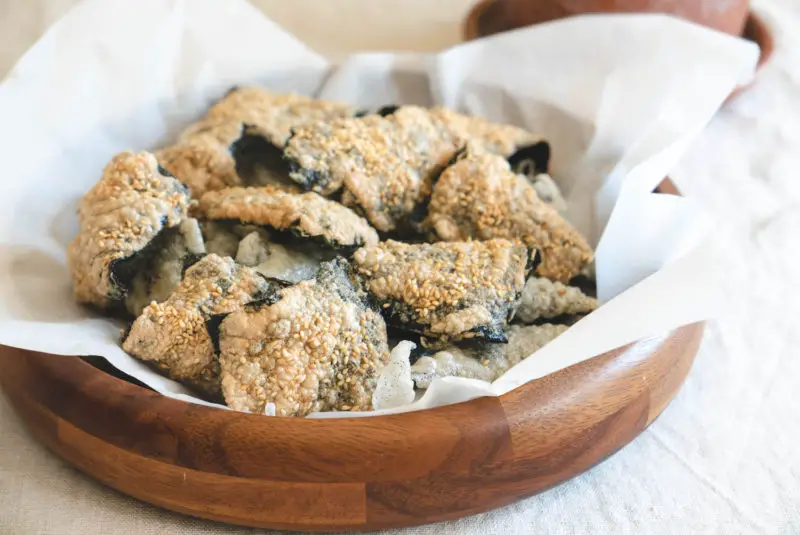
{"points": [[352, 474]]}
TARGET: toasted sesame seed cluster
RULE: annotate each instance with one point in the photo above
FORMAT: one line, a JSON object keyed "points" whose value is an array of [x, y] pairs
{"points": [[124, 212], [209, 154], [479, 197], [309, 214], [174, 334], [449, 291], [266, 257], [319, 347], [386, 165]]}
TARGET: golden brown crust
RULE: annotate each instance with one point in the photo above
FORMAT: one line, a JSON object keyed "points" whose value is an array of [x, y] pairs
{"points": [[309, 214], [479, 197], [498, 138], [386, 164], [317, 348], [202, 157], [173, 334], [449, 291], [275, 114], [130, 205]]}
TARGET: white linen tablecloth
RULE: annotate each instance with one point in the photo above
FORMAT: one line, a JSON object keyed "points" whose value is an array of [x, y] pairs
{"points": [[723, 458]]}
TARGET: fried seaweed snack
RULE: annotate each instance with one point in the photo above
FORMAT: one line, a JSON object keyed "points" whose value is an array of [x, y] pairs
{"points": [[204, 157], [177, 335], [307, 215], [447, 291], [239, 141], [543, 298], [123, 221], [386, 164], [479, 197], [273, 115], [487, 362], [318, 347]]}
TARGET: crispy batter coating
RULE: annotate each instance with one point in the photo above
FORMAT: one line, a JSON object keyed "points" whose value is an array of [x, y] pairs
{"points": [[174, 334], [248, 123], [480, 197], [275, 114], [386, 165], [488, 362], [543, 298], [202, 157], [503, 139], [124, 212], [308, 214], [317, 348], [448, 291]]}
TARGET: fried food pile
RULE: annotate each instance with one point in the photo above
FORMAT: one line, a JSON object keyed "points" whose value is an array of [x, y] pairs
{"points": [[272, 257]]}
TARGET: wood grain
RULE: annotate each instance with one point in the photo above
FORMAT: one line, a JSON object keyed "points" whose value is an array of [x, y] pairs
{"points": [[353, 474]]}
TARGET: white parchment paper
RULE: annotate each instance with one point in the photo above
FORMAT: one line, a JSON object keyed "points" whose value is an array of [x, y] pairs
{"points": [[620, 98]]}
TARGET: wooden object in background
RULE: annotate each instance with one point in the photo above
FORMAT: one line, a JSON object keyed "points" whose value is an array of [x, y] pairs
{"points": [[490, 17], [727, 16]]}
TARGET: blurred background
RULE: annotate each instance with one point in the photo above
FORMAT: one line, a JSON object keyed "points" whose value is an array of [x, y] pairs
{"points": [[326, 25]]}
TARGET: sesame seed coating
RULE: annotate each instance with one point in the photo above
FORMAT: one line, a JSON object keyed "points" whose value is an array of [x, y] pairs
{"points": [[543, 298], [479, 197], [130, 205], [309, 214], [487, 362], [204, 157], [449, 291], [173, 334], [386, 164], [275, 114], [317, 348]]}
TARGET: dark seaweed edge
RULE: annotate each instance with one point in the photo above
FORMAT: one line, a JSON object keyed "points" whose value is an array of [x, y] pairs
{"points": [[538, 153], [213, 324], [308, 179], [252, 149], [122, 271], [585, 284], [387, 110], [419, 214], [295, 238]]}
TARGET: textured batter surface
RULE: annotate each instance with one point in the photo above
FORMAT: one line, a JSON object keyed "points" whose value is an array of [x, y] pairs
{"points": [[273, 115], [479, 197], [247, 123], [319, 347], [131, 204], [487, 362], [543, 298], [386, 164], [202, 157], [447, 291], [174, 335], [307, 214]]}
